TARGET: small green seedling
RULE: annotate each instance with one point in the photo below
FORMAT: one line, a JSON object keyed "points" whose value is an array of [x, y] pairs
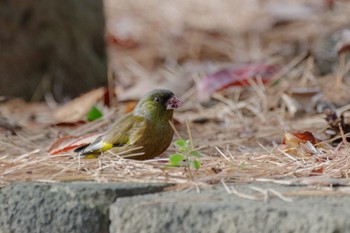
{"points": [[186, 156], [94, 114]]}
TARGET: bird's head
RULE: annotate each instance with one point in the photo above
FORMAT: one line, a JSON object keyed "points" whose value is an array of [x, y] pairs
{"points": [[157, 105]]}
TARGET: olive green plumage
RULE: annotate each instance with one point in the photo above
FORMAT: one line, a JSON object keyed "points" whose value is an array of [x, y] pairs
{"points": [[146, 130]]}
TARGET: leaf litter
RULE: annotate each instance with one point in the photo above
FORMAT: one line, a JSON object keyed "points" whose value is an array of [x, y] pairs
{"points": [[239, 130]]}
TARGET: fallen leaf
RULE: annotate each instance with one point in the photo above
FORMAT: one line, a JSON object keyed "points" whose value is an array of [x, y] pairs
{"points": [[69, 124], [8, 124], [94, 114], [301, 144], [27, 114], [65, 149], [60, 141], [77, 109], [294, 139], [241, 75], [317, 171], [68, 143], [129, 107]]}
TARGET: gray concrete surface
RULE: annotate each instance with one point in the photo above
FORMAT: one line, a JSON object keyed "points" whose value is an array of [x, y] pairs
{"points": [[64, 207], [122, 207], [217, 211]]}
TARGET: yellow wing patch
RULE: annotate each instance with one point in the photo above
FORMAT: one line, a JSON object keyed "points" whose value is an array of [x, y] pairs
{"points": [[90, 156], [93, 155], [105, 146]]}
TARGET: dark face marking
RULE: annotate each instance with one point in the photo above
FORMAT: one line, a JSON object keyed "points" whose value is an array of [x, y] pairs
{"points": [[156, 103], [161, 97], [166, 99]]}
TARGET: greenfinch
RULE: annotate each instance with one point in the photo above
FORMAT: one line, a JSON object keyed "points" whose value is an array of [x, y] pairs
{"points": [[142, 134]]}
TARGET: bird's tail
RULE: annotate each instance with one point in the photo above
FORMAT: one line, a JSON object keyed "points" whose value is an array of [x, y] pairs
{"points": [[79, 149]]}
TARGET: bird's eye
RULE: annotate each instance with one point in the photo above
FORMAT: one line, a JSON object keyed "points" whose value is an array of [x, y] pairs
{"points": [[156, 99]]}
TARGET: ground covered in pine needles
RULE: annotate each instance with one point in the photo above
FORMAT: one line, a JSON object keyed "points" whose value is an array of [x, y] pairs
{"points": [[245, 132]]}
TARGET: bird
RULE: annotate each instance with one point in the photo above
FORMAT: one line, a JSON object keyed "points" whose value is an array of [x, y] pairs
{"points": [[142, 134]]}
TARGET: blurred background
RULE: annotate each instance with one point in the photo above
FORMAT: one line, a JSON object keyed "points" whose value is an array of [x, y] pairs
{"points": [[59, 49]]}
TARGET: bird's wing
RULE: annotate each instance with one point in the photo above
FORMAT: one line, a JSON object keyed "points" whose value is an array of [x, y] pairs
{"points": [[125, 131]]}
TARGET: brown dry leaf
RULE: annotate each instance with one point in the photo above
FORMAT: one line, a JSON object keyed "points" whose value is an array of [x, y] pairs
{"points": [[130, 106], [77, 109], [291, 141], [317, 171], [27, 115], [294, 139], [7, 124], [300, 143], [68, 143], [60, 141]]}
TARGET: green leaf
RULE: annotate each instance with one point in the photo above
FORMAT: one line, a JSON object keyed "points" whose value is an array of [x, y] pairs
{"points": [[94, 114], [180, 143], [196, 164], [175, 159], [195, 153]]}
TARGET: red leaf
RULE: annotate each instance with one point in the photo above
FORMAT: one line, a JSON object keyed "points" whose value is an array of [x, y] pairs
{"points": [[106, 97], [60, 141], [66, 149], [69, 124], [298, 137], [69, 143], [235, 76], [317, 171]]}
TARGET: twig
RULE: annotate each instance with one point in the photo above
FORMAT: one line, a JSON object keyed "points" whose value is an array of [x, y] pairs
{"points": [[221, 153], [232, 190], [343, 136]]}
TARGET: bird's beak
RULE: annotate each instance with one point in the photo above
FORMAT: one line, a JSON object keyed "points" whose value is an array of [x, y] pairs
{"points": [[173, 103]]}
